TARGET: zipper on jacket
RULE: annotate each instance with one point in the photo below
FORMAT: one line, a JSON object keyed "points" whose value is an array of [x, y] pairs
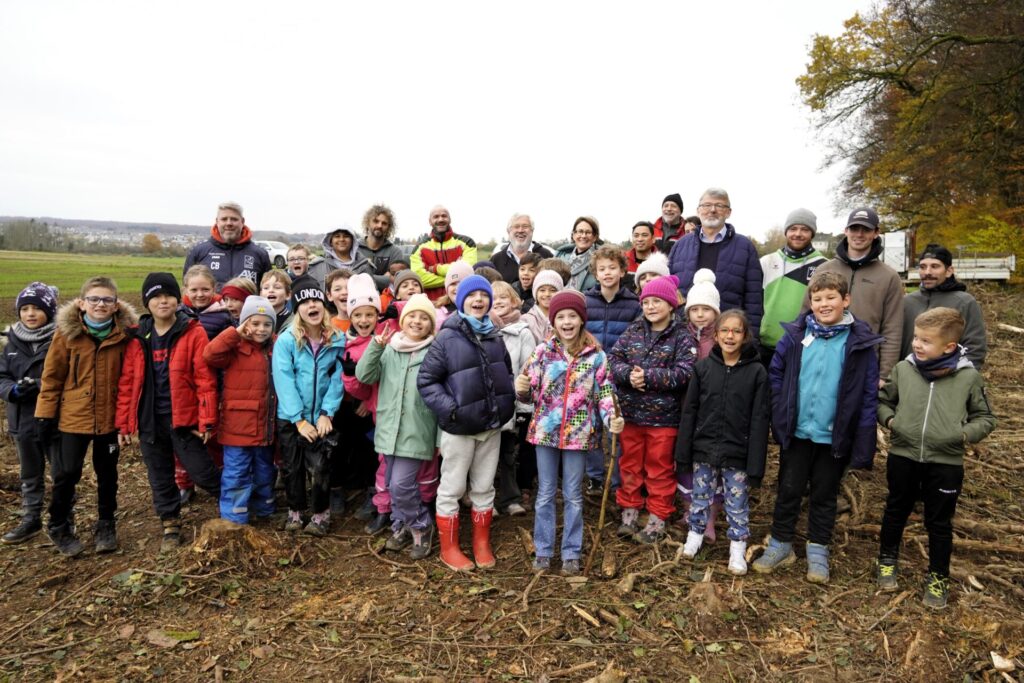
{"points": [[565, 403], [315, 360], [927, 409]]}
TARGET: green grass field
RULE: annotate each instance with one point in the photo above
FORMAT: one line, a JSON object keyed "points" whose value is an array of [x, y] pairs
{"points": [[68, 271]]}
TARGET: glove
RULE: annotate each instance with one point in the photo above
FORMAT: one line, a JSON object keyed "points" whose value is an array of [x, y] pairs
{"points": [[391, 312], [25, 389], [46, 430], [348, 366], [616, 424]]}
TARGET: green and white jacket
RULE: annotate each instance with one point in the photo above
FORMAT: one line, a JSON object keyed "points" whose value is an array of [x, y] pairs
{"points": [[785, 284]]}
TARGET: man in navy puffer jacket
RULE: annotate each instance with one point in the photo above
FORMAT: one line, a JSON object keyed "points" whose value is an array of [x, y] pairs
{"points": [[731, 256]]}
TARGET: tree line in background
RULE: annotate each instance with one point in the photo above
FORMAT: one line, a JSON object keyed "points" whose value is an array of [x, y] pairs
{"points": [[922, 100], [33, 235]]}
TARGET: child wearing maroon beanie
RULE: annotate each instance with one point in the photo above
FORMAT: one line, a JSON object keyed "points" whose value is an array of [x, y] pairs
{"points": [[567, 380], [651, 364]]}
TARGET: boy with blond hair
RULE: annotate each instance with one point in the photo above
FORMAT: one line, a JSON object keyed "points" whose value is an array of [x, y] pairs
{"points": [[934, 402]]}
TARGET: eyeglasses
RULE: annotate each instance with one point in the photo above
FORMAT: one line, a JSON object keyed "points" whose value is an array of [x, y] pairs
{"points": [[97, 300], [718, 206], [583, 233], [297, 259]]}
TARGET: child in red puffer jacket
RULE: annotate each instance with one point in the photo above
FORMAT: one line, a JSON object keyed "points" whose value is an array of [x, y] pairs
{"points": [[248, 407]]}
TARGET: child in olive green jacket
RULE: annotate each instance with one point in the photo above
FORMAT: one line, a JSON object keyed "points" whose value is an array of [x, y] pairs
{"points": [[934, 402]]}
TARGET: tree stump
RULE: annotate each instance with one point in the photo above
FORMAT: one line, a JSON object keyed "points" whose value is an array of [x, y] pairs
{"points": [[236, 544]]}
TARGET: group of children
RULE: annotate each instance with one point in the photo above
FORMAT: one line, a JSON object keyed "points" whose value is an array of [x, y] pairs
{"points": [[492, 390]]}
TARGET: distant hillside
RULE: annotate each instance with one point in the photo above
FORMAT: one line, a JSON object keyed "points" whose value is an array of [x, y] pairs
{"points": [[156, 228]]}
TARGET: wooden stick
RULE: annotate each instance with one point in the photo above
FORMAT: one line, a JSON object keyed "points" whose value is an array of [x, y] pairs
{"points": [[609, 463], [561, 673]]}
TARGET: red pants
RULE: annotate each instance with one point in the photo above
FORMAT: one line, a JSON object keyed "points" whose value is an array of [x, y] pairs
{"points": [[648, 459]]}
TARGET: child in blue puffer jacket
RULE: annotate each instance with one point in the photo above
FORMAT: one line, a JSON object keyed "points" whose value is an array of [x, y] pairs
{"points": [[466, 379], [307, 378]]}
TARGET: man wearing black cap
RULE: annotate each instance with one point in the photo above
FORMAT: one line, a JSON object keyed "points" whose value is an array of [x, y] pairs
{"points": [[939, 287], [669, 227], [876, 291]]}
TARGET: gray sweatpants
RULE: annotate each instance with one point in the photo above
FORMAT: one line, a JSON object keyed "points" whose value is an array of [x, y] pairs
{"points": [[473, 456]]}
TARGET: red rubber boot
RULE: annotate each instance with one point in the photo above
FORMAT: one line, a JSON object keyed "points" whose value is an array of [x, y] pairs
{"points": [[482, 538], [451, 554]]}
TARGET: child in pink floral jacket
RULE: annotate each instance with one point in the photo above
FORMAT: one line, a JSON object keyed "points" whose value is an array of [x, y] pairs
{"points": [[568, 381]]}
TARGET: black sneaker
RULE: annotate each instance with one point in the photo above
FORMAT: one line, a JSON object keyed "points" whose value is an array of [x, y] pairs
{"points": [[185, 496], [399, 539], [594, 488], [337, 501], [936, 591], [422, 543], [367, 511], [171, 539], [65, 541], [885, 575], [105, 536], [378, 524], [26, 529]]}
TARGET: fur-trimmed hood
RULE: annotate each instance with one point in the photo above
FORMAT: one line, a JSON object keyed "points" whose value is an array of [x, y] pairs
{"points": [[70, 324]]}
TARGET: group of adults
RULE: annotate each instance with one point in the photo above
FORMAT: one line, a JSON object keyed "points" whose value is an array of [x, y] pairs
{"points": [[771, 289]]}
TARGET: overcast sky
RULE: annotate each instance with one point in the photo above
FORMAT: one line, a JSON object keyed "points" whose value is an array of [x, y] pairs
{"points": [[306, 113]]}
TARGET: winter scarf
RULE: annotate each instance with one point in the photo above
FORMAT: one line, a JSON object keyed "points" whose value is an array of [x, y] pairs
{"points": [[401, 343], [99, 330], [791, 253], [935, 368], [480, 327], [827, 331], [33, 337], [504, 321]]}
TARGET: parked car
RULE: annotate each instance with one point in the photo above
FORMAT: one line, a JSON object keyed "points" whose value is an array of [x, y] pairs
{"points": [[278, 252]]}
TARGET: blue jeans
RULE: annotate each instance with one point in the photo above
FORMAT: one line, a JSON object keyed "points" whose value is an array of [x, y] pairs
{"points": [[247, 481], [573, 465]]}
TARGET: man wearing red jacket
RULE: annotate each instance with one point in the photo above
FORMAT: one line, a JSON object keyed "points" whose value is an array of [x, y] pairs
{"points": [[670, 226], [432, 257]]}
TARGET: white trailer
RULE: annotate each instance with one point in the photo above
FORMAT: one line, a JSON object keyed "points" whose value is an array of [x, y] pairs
{"points": [[898, 251]]}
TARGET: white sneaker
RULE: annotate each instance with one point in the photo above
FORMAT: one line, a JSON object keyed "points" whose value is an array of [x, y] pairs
{"points": [[515, 509], [692, 545], [737, 558]]}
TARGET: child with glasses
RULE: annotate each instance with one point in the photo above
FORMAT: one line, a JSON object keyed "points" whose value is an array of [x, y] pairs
{"points": [[77, 407]]}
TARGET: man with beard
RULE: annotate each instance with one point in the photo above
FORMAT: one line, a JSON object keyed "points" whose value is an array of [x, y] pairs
{"points": [[729, 255], [230, 251], [786, 274], [432, 257], [520, 241], [669, 228], [876, 292], [939, 287], [378, 229]]}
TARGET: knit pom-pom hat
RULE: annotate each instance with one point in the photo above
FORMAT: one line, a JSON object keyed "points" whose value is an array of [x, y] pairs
{"points": [[703, 292], [362, 292]]}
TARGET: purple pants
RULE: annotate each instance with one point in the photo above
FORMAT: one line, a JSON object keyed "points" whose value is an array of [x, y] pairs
{"points": [[407, 508], [428, 478]]}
